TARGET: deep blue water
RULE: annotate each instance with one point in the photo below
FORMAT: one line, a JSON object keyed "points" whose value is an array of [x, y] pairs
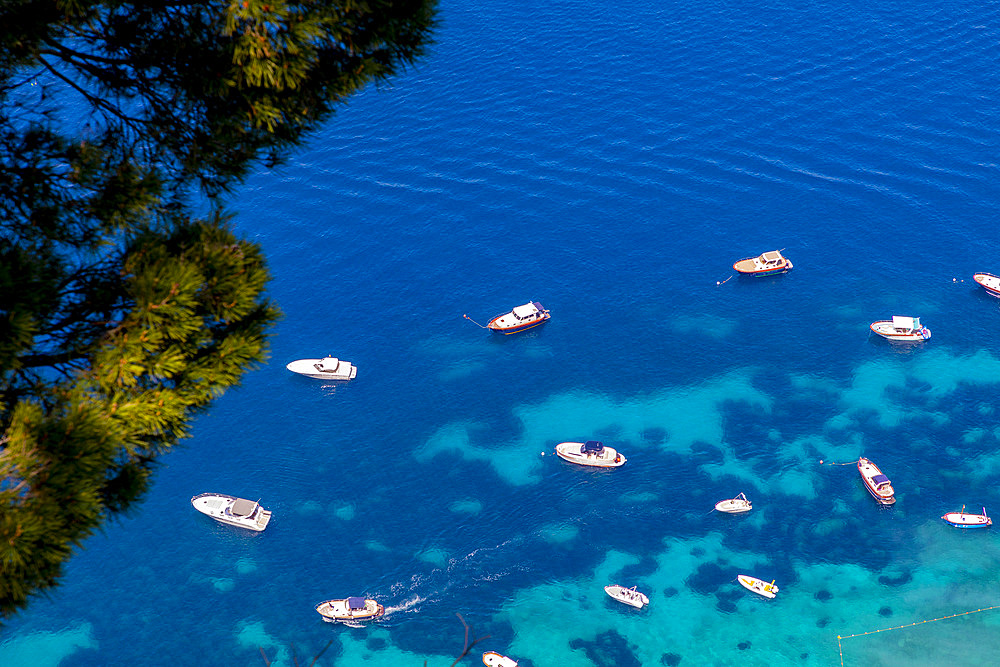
{"points": [[612, 162]]}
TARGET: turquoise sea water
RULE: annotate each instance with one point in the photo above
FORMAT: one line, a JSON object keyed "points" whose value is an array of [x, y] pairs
{"points": [[611, 162]]}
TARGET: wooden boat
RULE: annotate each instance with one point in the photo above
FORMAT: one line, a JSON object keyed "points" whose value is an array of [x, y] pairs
{"points": [[758, 586], [877, 484], [521, 318], [901, 329], [963, 520], [327, 368], [494, 659], [590, 453], [350, 609], [232, 510], [628, 596], [768, 264], [988, 282], [737, 505]]}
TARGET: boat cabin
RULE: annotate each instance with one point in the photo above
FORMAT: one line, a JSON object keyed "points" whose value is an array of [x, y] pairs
{"points": [[356, 604], [592, 447], [243, 508], [905, 324], [771, 258], [528, 311]]}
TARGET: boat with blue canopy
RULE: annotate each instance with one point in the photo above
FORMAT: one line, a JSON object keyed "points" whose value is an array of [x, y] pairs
{"points": [[877, 483], [590, 453], [350, 609]]}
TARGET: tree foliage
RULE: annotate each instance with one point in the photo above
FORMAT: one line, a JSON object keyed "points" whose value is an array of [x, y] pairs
{"points": [[123, 312]]}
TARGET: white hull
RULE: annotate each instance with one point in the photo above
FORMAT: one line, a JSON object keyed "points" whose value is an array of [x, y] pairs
{"points": [[609, 458], [876, 482], [989, 282], [885, 329], [758, 586], [628, 596], [232, 511], [338, 610], [328, 368], [494, 659], [737, 505], [963, 520]]}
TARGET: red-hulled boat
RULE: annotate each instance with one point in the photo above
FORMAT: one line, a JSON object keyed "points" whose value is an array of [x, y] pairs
{"points": [[521, 318], [988, 282]]}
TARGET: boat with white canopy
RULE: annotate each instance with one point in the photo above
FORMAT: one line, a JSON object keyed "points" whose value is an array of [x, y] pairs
{"points": [[590, 453], [900, 328], [232, 510], [350, 609], [327, 368]]}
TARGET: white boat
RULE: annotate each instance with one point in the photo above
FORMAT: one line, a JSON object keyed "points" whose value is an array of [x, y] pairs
{"points": [[232, 510], [988, 282], [627, 595], [758, 586], [521, 318], [877, 483], [964, 520], [327, 368], [767, 264], [350, 609], [901, 328], [736, 505], [494, 659], [590, 453]]}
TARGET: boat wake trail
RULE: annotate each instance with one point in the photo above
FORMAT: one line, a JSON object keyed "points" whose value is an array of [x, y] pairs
{"points": [[406, 606]]}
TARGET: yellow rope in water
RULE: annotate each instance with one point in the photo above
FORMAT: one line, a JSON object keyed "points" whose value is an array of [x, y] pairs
{"points": [[908, 625]]}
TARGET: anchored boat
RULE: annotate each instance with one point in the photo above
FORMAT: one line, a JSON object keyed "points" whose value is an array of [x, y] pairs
{"points": [[768, 264], [327, 368], [521, 318], [737, 505], [350, 609], [988, 282], [232, 510], [877, 484], [758, 586], [628, 596], [590, 453], [901, 329], [963, 520]]}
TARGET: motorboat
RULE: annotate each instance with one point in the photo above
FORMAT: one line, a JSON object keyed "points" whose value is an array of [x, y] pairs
{"points": [[767, 264], [877, 484], [737, 505], [232, 510], [758, 586], [327, 368], [901, 328], [963, 520], [494, 659], [628, 596], [988, 282], [590, 453], [350, 609], [521, 318]]}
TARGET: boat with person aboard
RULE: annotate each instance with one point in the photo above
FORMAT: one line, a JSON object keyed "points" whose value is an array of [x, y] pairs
{"points": [[494, 659], [737, 505], [629, 596], [964, 520], [232, 510], [899, 328], [350, 609], [590, 453], [876, 482], [327, 368], [758, 586], [767, 264], [988, 282]]}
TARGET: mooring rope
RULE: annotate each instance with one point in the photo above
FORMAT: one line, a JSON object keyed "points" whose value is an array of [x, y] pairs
{"points": [[474, 322], [722, 282], [831, 463], [908, 625]]}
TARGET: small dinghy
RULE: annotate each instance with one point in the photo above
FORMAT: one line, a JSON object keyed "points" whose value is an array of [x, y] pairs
{"points": [[628, 596], [327, 368], [988, 282], [350, 609], [758, 586], [768, 264], [590, 453], [737, 505], [963, 520], [906, 329], [494, 659], [232, 510], [877, 484]]}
